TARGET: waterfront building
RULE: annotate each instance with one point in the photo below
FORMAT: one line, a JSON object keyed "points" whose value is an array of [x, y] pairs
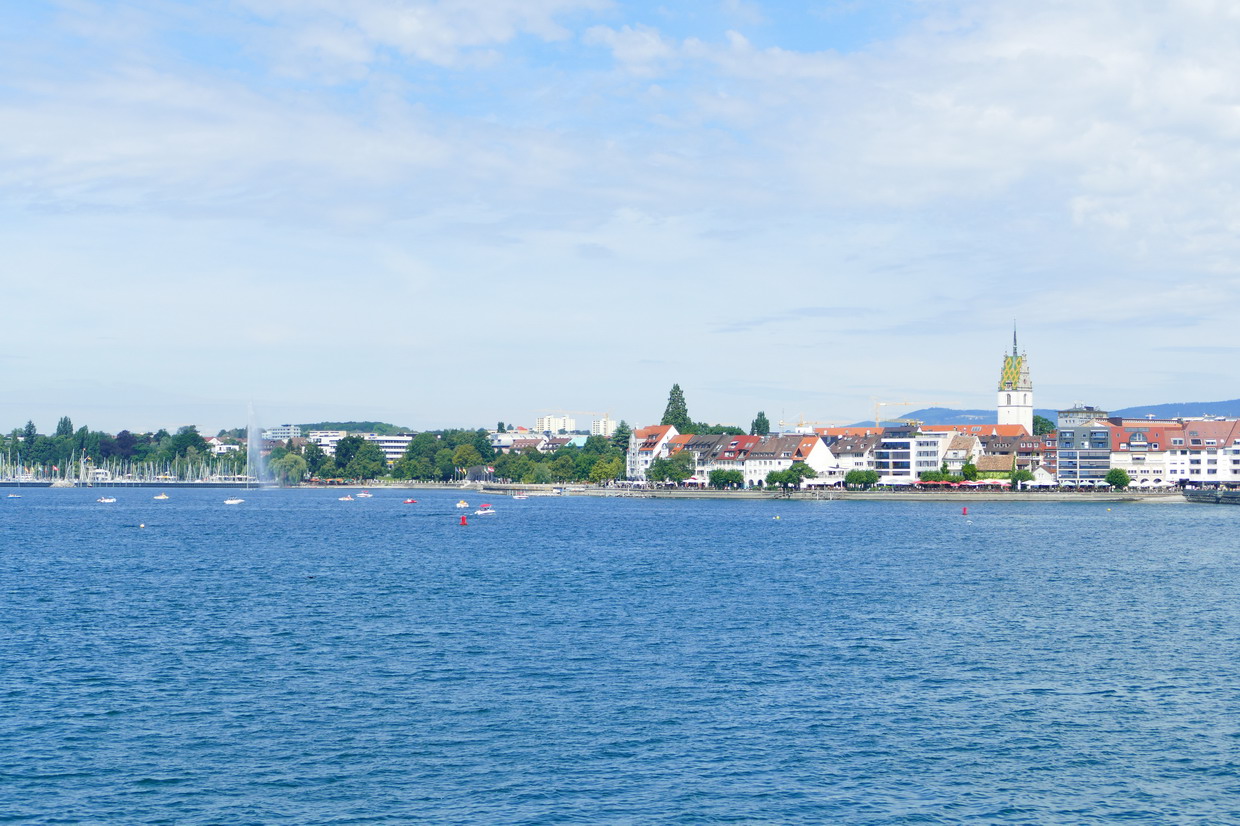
{"points": [[855, 451], [903, 453], [1083, 446], [961, 450], [1015, 399], [1207, 452], [778, 453], [645, 445]]}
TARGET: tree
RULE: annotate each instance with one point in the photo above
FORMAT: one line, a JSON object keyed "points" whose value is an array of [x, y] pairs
{"points": [[861, 478], [29, 432], [605, 470], [676, 469], [620, 437], [347, 448], [726, 479], [289, 469], [792, 477], [125, 444], [367, 463], [1019, 476], [677, 412], [1118, 478], [64, 427], [704, 429], [188, 437], [499, 428], [314, 456], [969, 471], [761, 425], [1042, 426], [466, 456]]}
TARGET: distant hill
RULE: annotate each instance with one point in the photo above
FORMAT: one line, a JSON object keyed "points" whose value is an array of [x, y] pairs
{"points": [[382, 428], [1229, 409], [947, 415]]}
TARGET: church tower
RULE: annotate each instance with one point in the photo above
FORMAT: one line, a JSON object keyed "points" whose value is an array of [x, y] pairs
{"points": [[1016, 389]]}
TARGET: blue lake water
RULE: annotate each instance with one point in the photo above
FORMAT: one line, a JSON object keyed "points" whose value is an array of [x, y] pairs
{"points": [[297, 659]]}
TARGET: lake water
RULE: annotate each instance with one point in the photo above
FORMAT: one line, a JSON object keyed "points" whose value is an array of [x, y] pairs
{"points": [[301, 660]]}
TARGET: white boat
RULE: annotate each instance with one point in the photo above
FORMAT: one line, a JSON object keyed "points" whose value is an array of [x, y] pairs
{"points": [[485, 510], [462, 504], [15, 496], [234, 501], [365, 495], [520, 496], [106, 499], [161, 497], [346, 498]]}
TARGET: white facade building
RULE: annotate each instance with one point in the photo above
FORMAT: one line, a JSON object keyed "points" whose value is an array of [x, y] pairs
{"points": [[604, 427], [327, 439], [282, 433], [554, 424], [393, 447]]}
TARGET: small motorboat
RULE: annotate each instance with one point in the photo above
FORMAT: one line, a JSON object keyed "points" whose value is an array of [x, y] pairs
{"points": [[485, 510], [106, 499], [15, 496], [346, 498], [161, 497], [365, 495], [234, 501], [520, 496], [410, 502], [462, 504]]}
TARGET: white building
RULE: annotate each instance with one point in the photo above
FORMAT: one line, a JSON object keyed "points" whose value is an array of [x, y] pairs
{"points": [[282, 433], [604, 427], [554, 424], [393, 447], [645, 445], [327, 439]]}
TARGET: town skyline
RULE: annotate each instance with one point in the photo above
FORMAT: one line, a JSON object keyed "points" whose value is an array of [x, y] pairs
{"points": [[420, 213]]}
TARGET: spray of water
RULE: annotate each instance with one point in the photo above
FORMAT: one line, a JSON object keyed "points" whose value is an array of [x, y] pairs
{"points": [[254, 448]]}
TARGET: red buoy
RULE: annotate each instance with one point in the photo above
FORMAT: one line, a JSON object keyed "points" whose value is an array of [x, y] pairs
{"points": [[463, 522], [964, 511]]}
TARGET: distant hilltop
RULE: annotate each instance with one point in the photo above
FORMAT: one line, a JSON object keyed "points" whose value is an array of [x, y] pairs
{"points": [[946, 415]]}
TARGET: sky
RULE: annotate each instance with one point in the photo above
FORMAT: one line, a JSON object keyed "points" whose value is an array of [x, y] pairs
{"points": [[455, 213]]}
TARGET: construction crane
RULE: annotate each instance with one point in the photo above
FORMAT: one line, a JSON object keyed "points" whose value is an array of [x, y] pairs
{"points": [[878, 406], [802, 423]]}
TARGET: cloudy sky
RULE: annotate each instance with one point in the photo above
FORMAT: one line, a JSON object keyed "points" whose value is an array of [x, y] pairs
{"points": [[453, 212]]}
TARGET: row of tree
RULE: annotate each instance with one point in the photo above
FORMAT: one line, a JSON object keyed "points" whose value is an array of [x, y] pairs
{"points": [[69, 446]]}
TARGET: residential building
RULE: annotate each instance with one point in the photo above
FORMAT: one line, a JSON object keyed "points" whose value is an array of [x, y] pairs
{"points": [[855, 451], [1083, 446], [604, 427], [645, 445], [778, 453], [1207, 453], [554, 424]]}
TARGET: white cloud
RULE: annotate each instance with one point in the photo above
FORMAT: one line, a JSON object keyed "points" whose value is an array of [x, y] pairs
{"points": [[1060, 162], [445, 33]]}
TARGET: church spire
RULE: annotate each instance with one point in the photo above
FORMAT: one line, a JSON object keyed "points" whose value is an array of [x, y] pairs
{"points": [[1014, 337]]}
